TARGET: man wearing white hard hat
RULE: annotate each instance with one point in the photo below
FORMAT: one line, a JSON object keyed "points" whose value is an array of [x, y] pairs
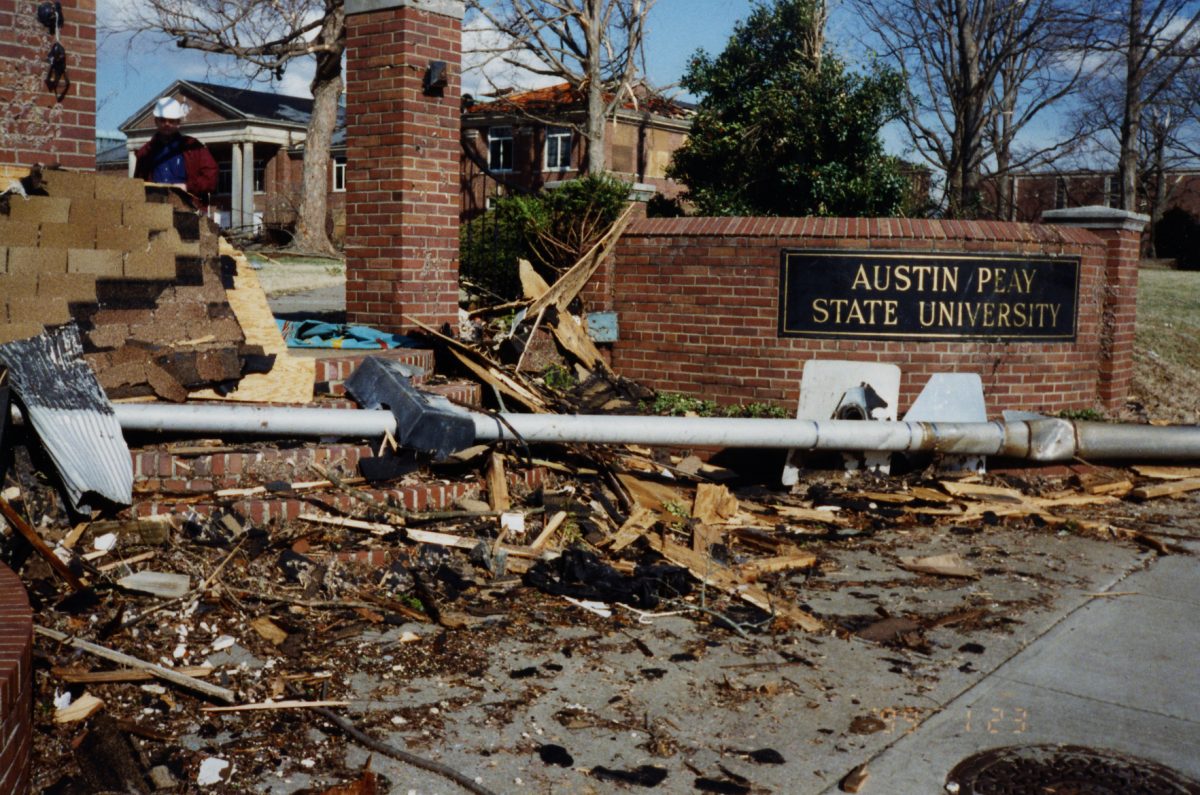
{"points": [[173, 158]]}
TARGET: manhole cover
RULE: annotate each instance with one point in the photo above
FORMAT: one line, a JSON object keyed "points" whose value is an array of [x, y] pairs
{"points": [[1063, 770]]}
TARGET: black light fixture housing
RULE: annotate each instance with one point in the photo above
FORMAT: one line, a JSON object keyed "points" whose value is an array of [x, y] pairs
{"points": [[436, 78]]}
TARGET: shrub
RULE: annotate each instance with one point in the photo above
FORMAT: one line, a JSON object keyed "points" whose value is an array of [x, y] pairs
{"points": [[551, 229]]}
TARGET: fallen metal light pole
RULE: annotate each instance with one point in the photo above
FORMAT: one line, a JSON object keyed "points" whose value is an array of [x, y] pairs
{"points": [[1047, 439]]}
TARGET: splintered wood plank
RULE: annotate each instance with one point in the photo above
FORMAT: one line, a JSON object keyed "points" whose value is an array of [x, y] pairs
{"points": [[291, 378], [709, 572], [575, 339], [563, 291], [486, 371], [1117, 488], [898, 498], [801, 560], [532, 283], [655, 496], [552, 525], [947, 565], [705, 535], [498, 484], [979, 491], [1165, 489], [1073, 500], [81, 708], [124, 674], [714, 504], [929, 495], [1167, 473], [810, 514], [640, 522]]}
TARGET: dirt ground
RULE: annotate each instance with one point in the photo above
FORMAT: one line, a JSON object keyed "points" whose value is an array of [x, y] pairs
{"points": [[285, 275]]}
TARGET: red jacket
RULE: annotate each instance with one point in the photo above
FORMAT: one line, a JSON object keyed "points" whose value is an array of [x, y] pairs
{"points": [[198, 162]]}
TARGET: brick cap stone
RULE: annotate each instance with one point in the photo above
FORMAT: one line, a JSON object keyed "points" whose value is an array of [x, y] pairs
{"points": [[1097, 217], [447, 8]]}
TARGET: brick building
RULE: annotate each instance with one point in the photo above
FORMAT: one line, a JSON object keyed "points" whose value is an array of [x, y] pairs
{"points": [[257, 138], [531, 139], [43, 118]]}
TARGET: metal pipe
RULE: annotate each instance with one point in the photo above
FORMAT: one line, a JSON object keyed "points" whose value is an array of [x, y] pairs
{"points": [[1047, 439], [253, 420]]}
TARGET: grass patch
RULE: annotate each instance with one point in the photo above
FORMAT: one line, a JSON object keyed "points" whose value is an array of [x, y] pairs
{"points": [[1166, 376], [1168, 319]]}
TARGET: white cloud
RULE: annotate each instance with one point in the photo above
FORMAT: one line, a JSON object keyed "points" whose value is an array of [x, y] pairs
{"points": [[484, 70]]}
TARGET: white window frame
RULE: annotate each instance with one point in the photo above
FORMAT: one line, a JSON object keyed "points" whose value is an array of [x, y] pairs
{"points": [[339, 175], [1112, 190], [260, 174], [558, 143], [496, 136]]}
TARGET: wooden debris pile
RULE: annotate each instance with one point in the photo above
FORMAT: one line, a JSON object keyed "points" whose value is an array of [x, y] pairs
{"points": [[159, 614], [548, 308]]}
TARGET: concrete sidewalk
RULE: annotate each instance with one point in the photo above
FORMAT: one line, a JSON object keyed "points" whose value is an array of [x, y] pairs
{"points": [[1119, 673]]}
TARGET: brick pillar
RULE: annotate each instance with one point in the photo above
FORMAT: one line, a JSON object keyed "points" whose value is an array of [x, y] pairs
{"points": [[1121, 232], [16, 683], [36, 126], [402, 187]]}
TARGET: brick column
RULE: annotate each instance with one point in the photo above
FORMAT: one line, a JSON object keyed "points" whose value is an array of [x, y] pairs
{"points": [[36, 125], [1121, 232], [16, 683], [402, 191]]}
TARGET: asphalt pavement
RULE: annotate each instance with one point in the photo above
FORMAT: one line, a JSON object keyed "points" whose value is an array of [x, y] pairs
{"points": [[1118, 673]]}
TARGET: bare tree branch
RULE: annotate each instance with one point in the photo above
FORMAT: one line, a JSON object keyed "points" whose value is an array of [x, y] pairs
{"points": [[592, 45], [979, 72], [266, 36]]}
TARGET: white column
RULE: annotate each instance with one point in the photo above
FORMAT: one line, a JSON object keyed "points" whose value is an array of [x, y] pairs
{"points": [[132, 162], [235, 188], [248, 183]]}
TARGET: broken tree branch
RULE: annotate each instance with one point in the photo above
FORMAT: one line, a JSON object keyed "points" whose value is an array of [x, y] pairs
{"points": [[35, 541], [350, 730], [162, 672], [273, 705]]}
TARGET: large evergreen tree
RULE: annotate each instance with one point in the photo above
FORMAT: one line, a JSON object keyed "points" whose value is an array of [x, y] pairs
{"points": [[784, 127]]}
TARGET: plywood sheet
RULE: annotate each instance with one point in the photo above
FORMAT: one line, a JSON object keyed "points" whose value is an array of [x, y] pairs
{"points": [[291, 379]]}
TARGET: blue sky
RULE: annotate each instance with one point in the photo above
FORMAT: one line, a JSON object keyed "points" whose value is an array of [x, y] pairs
{"points": [[129, 75]]}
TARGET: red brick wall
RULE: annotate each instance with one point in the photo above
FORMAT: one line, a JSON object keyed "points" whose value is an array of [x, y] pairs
{"points": [[1119, 316], [16, 684], [402, 198], [698, 304], [35, 126]]}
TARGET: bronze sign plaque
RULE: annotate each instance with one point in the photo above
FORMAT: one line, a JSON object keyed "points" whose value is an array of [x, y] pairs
{"points": [[897, 295]]}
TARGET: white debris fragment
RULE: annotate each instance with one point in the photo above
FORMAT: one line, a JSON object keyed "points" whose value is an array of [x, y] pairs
{"points": [[309, 763], [180, 651], [513, 522], [158, 583], [105, 543], [599, 608], [211, 770], [223, 642], [62, 700], [408, 636]]}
